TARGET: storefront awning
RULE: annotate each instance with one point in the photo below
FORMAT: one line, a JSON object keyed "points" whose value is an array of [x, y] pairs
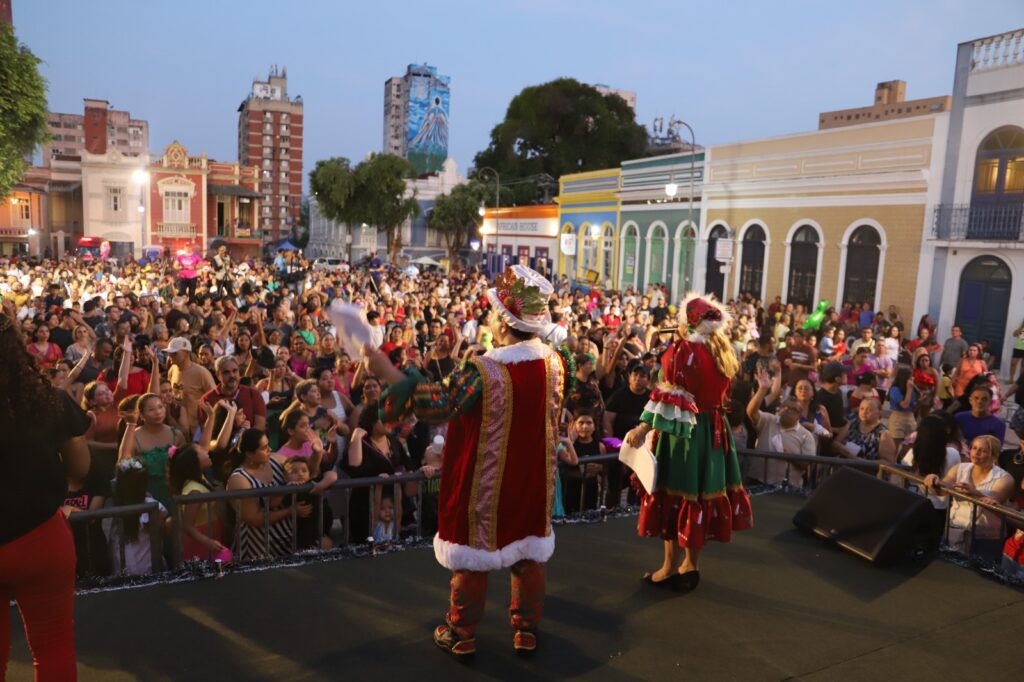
{"points": [[232, 191]]}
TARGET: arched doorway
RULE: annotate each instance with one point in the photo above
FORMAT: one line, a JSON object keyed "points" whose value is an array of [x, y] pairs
{"points": [[803, 267], [997, 197], [588, 250], [686, 244], [984, 301], [860, 282], [657, 254], [607, 253], [630, 255], [714, 278], [752, 263]]}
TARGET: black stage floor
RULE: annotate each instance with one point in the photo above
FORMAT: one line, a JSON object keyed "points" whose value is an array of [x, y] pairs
{"points": [[773, 605]]}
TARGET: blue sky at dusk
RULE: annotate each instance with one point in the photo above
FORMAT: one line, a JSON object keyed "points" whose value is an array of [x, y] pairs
{"points": [[734, 70]]}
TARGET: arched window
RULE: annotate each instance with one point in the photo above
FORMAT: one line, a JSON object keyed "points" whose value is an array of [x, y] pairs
{"points": [[803, 266], [686, 243], [607, 253], [752, 264], [997, 197], [860, 281], [630, 254], [657, 254], [984, 302], [588, 249], [714, 278]]}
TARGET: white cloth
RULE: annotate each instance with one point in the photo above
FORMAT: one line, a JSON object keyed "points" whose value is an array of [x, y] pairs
{"points": [[773, 437]]}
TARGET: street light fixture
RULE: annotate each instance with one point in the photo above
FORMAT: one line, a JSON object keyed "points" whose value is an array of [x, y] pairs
{"points": [[672, 188], [474, 244], [595, 230]]}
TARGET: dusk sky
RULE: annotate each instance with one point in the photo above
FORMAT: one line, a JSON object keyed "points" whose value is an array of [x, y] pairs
{"points": [[734, 70]]}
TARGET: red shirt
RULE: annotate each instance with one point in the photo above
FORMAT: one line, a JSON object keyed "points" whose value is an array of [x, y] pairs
{"points": [[247, 398]]}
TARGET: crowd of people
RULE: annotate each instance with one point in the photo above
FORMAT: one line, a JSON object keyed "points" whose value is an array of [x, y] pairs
{"points": [[201, 373]]}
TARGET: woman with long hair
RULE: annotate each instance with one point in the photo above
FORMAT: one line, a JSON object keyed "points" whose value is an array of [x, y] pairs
{"points": [[926, 381], [694, 501], [372, 452], [44, 444], [81, 345], [150, 441], [970, 366], [264, 527], [933, 455], [46, 352]]}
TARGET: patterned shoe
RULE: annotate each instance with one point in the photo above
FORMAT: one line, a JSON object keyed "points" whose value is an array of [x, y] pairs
{"points": [[524, 642], [461, 648]]}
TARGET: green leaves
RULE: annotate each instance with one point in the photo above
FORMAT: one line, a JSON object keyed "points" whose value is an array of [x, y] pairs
{"points": [[374, 192], [456, 215], [22, 108], [562, 127]]}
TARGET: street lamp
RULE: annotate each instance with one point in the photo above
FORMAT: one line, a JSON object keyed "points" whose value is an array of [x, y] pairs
{"points": [[672, 188], [474, 244], [141, 178]]}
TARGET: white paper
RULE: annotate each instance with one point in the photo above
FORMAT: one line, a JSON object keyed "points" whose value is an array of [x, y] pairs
{"points": [[353, 329], [643, 463], [853, 448]]}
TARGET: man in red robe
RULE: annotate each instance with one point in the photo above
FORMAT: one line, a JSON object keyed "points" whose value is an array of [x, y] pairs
{"points": [[497, 476]]}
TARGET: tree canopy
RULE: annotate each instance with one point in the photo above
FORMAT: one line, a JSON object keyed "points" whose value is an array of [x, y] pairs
{"points": [[22, 108], [374, 192], [562, 127], [456, 215]]}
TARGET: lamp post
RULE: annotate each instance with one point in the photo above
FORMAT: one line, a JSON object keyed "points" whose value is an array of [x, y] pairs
{"points": [[497, 199], [141, 178], [672, 188]]}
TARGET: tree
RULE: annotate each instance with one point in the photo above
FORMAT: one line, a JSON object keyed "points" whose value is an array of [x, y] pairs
{"points": [[561, 127], [456, 216], [374, 192], [22, 108]]}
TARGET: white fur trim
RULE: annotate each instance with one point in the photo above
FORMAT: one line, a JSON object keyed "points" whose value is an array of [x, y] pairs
{"points": [[456, 557], [708, 327], [524, 351]]}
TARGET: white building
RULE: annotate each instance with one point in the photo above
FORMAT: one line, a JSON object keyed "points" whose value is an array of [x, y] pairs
{"points": [[972, 257], [327, 238], [114, 201]]}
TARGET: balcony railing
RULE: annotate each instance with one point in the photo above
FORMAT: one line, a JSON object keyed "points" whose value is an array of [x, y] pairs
{"points": [[984, 223], [176, 229]]}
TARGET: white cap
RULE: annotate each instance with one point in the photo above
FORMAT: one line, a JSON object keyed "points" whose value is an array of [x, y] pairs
{"points": [[179, 343]]}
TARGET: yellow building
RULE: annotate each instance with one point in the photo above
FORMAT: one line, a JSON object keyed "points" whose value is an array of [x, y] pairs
{"points": [[588, 212], [829, 214]]}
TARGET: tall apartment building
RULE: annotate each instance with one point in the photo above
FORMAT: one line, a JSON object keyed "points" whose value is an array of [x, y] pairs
{"points": [[6, 15], [99, 126], [890, 102], [416, 117], [628, 95], [270, 137]]}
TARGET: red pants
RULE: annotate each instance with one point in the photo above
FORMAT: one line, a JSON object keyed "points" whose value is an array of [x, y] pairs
{"points": [[469, 592], [38, 571]]}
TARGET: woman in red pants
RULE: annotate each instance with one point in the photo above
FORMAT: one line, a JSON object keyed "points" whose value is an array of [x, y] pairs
{"points": [[43, 444]]}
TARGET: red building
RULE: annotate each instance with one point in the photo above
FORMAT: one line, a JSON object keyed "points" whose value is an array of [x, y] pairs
{"points": [[194, 200]]}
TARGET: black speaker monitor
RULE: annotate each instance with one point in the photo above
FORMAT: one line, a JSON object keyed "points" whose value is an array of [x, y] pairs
{"points": [[874, 519]]}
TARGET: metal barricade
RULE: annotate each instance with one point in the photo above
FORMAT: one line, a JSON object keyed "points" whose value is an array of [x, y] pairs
{"points": [[154, 529]]}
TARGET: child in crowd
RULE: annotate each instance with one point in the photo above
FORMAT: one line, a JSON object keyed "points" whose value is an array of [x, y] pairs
{"points": [[129, 538], [308, 536], [945, 390], [384, 530], [93, 558], [583, 433], [203, 531]]}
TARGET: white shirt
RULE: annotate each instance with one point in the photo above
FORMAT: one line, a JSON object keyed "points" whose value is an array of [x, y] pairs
{"points": [[773, 437]]}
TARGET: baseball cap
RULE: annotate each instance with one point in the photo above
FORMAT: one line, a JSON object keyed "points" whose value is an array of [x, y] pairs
{"points": [[179, 343]]}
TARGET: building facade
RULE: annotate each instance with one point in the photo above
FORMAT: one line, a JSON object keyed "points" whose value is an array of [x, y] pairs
{"points": [[527, 235], [972, 260], [327, 238], [114, 201], [588, 216], [270, 133], [831, 215], [628, 96], [416, 111], [890, 102], [98, 129], [23, 215], [658, 238]]}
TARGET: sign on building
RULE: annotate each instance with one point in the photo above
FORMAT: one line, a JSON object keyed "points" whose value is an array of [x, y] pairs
{"points": [[568, 244], [723, 250]]}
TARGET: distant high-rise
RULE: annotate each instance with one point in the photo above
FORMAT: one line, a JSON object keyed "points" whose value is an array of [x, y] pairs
{"points": [[6, 15], [890, 102], [98, 129], [270, 137], [416, 117], [627, 95]]}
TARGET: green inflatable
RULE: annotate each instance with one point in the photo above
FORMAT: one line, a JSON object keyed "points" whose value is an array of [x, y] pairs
{"points": [[817, 317]]}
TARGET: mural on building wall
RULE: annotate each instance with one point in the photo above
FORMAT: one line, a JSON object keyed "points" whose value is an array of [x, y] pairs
{"points": [[427, 131]]}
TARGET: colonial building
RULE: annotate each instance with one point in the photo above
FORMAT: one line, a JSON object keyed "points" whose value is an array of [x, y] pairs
{"points": [[659, 221], [527, 235], [194, 200], [588, 212], [114, 201], [830, 214], [972, 260], [23, 216]]}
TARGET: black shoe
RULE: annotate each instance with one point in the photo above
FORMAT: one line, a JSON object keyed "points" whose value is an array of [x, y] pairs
{"points": [[461, 648], [666, 583], [687, 581]]}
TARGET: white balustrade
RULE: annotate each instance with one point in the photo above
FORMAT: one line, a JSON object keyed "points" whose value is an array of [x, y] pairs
{"points": [[999, 51]]}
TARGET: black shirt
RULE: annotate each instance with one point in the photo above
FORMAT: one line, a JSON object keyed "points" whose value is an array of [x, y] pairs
{"points": [[61, 337], [628, 407], [833, 403], [33, 483]]}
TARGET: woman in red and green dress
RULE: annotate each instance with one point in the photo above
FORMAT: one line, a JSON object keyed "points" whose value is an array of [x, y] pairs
{"points": [[699, 493]]}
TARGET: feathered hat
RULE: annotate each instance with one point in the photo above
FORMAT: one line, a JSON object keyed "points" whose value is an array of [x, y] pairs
{"points": [[520, 297], [703, 314]]}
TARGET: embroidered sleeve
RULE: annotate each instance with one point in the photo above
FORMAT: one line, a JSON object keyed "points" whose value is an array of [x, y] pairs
{"points": [[433, 402], [569, 363]]}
